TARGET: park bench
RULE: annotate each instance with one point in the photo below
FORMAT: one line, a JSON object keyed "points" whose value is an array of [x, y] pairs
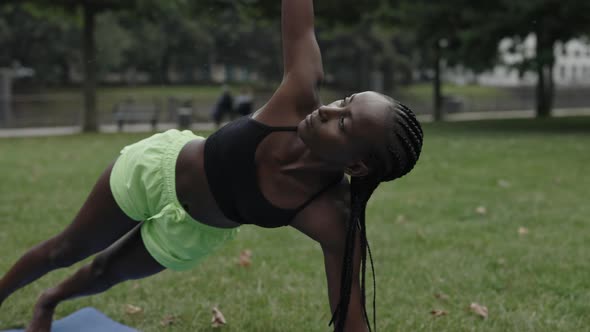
{"points": [[129, 111], [452, 104]]}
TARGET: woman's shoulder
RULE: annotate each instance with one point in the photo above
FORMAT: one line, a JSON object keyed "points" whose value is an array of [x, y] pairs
{"points": [[291, 101], [327, 213]]}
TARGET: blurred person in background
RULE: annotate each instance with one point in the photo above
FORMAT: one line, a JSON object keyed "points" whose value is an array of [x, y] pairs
{"points": [[223, 106], [244, 102]]}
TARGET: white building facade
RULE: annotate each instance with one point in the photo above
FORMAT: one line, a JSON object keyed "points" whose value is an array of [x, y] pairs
{"points": [[572, 65]]}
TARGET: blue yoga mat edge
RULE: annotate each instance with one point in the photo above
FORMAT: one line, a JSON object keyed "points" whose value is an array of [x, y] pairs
{"points": [[87, 319]]}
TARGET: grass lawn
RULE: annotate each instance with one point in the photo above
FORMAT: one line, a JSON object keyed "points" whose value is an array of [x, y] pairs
{"points": [[451, 227]]}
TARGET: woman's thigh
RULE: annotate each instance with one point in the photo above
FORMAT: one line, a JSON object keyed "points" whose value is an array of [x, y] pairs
{"points": [[127, 259], [98, 224]]}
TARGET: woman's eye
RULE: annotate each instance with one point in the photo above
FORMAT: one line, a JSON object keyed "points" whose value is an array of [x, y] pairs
{"points": [[341, 122]]}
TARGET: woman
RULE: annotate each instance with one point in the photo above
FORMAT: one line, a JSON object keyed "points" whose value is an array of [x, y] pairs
{"points": [[171, 199]]}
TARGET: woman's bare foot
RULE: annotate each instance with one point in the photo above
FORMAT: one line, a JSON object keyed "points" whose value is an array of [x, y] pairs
{"points": [[42, 317]]}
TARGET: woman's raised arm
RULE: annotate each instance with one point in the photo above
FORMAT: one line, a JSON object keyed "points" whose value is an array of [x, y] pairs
{"points": [[302, 61], [301, 53], [297, 95]]}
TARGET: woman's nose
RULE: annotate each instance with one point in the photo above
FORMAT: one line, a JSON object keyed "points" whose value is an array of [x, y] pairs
{"points": [[327, 112]]}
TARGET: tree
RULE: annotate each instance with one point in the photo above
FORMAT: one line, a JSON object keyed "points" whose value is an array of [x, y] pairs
{"points": [[23, 39], [87, 10], [474, 29], [551, 21], [436, 25]]}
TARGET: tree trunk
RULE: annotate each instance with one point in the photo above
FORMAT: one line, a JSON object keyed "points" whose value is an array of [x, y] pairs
{"points": [[437, 103], [65, 72], [212, 60], [544, 66], [363, 70], [5, 97], [163, 68], [90, 123], [387, 70]]}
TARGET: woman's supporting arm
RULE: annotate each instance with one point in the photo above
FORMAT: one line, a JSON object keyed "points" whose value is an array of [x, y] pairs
{"points": [[325, 221]]}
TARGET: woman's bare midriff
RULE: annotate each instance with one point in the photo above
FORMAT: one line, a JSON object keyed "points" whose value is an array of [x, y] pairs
{"points": [[192, 188]]}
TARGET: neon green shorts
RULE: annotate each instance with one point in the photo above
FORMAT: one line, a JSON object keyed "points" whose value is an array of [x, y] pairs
{"points": [[143, 184]]}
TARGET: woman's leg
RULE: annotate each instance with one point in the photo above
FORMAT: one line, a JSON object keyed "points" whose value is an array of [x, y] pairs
{"points": [[99, 223], [126, 259]]}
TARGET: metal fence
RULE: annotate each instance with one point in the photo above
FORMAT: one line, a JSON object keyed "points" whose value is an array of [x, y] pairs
{"points": [[513, 99], [56, 110], [53, 110]]}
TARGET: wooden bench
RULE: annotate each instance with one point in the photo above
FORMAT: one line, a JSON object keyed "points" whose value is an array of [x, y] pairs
{"points": [[130, 112]]}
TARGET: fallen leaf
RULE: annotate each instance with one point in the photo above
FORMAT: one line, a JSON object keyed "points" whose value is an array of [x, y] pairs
{"points": [[132, 310], [441, 296], [401, 219], [523, 231], [420, 234], [481, 210], [245, 258], [503, 183], [168, 320], [479, 310], [438, 312], [218, 319]]}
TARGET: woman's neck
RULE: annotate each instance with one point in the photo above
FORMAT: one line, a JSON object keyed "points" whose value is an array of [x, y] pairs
{"points": [[298, 160]]}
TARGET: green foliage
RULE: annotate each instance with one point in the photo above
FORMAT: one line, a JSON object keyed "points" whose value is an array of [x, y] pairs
{"points": [[357, 37], [25, 36], [112, 43], [473, 29]]}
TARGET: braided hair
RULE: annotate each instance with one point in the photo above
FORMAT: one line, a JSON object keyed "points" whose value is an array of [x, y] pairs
{"points": [[404, 144]]}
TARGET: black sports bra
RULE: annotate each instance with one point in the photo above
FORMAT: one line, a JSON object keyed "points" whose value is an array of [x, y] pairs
{"points": [[231, 172]]}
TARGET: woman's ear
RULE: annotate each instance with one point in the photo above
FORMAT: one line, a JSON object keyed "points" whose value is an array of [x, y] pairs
{"points": [[358, 168]]}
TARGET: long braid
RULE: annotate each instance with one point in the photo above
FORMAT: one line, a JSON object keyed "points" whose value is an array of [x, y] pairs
{"points": [[361, 190], [347, 277], [339, 316], [414, 133], [406, 133], [374, 289], [368, 191], [364, 245], [410, 117], [404, 147]]}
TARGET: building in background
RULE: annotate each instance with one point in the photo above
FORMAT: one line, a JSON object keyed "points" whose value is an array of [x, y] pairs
{"points": [[571, 69]]}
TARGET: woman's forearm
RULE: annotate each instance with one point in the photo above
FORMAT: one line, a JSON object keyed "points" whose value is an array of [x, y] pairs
{"points": [[296, 18], [297, 26]]}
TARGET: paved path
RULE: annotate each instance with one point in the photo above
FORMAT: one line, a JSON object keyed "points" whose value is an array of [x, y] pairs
{"points": [[468, 116], [130, 128], [517, 114]]}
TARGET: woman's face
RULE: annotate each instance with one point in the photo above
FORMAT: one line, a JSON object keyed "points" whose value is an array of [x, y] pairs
{"points": [[345, 130]]}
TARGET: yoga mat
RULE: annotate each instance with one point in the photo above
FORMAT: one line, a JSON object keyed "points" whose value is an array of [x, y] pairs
{"points": [[86, 320]]}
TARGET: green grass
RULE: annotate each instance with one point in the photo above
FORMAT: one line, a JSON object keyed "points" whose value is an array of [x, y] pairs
{"points": [[526, 173]]}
